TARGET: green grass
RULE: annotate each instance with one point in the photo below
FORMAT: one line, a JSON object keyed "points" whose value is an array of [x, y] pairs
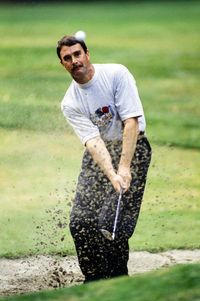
{"points": [[40, 157], [180, 283], [37, 181]]}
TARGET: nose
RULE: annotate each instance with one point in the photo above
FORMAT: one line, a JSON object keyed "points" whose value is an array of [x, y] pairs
{"points": [[74, 60]]}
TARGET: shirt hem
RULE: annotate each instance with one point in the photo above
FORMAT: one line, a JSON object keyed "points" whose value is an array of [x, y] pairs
{"points": [[85, 139], [137, 114]]}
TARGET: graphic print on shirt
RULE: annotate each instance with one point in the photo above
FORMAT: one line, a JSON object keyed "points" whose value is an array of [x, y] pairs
{"points": [[102, 117]]}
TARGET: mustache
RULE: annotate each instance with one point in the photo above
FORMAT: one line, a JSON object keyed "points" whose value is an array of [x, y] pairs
{"points": [[76, 67]]}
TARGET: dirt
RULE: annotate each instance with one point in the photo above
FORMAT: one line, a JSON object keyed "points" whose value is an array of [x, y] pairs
{"points": [[18, 276]]}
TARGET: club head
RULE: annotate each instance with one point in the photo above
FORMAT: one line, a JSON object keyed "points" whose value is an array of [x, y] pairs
{"points": [[108, 235]]}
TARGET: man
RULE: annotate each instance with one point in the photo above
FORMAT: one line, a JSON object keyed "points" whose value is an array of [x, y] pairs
{"points": [[103, 107]]}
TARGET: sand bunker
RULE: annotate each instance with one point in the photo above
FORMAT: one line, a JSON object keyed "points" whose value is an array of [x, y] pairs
{"points": [[32, 274]]}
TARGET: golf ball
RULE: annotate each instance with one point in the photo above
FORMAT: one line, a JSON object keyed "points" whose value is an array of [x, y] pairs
{"points": [[80, 35]]}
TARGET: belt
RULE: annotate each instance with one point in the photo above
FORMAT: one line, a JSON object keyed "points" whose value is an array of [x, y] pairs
{"points": [[141, 134]]}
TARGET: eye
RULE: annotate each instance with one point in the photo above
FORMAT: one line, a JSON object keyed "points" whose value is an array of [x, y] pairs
{"points": [[77, 53], [67, 58]]}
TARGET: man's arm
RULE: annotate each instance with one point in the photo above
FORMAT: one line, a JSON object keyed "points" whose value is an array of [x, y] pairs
{"points": [[130, 135], [101, 156]]}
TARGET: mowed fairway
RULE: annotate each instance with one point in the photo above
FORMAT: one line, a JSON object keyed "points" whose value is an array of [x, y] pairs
{"points": [[40, 156]]}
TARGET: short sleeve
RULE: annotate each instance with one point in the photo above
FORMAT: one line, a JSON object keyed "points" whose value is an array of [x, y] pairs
{"points": [[83, 126], [127, 100]]}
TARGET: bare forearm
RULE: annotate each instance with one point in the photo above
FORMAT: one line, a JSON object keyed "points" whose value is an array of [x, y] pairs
{"points": [[128, 148], [129, 142], [101, 156]]}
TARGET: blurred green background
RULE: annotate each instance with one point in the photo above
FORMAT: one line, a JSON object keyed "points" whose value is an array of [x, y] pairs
{"points": [[40, 156]]}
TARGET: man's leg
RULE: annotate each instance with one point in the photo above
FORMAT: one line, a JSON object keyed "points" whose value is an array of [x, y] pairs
{"points": [[98, 257], [133, 198], [118, 257]]}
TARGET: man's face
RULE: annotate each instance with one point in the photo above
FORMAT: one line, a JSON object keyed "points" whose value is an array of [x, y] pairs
{"points": [[75, 61]]}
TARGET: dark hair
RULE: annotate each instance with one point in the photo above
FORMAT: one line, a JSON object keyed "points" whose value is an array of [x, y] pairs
{"points": [[70, 41]]}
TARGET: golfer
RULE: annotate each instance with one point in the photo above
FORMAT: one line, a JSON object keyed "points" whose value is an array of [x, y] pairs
{"points": [[103, 107]]}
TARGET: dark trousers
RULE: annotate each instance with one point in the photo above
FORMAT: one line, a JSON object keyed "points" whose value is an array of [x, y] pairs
{"points": [[98, 257]]}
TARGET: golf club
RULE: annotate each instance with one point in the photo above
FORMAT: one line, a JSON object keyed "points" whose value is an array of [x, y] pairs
{"points": [[111, 235]]}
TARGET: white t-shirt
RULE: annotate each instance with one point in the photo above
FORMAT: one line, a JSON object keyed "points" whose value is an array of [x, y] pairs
{"points": [[99, 106]]}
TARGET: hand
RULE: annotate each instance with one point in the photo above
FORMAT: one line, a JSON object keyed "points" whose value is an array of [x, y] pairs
{"points": [[117, 182], [125, 174]]}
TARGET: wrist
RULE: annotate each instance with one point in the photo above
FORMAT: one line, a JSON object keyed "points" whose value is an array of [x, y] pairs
{"points": [[111, 174], [123, 168]]}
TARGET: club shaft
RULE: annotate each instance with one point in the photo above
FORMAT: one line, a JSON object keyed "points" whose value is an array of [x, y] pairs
{"points": [[116, 215]]}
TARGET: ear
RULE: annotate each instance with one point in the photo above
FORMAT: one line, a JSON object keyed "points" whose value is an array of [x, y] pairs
{"points": [[88, 54]]}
